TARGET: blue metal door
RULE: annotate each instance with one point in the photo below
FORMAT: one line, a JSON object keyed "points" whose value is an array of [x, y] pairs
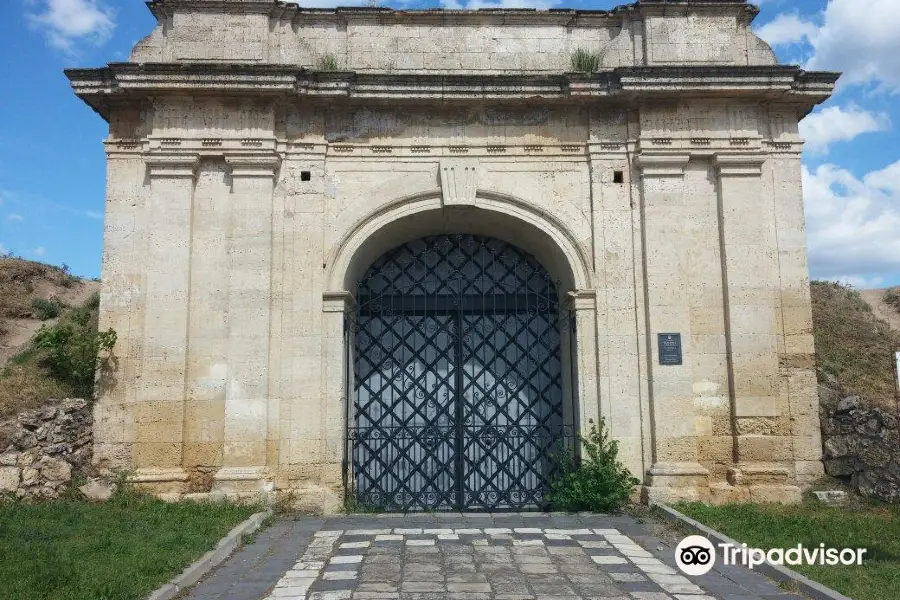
{"points": [[458, 396]]}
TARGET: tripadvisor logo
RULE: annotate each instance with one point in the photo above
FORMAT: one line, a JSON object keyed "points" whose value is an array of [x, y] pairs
{"points": [[695, 555]]}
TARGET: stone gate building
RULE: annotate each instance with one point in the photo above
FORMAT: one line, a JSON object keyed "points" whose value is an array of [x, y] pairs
{"points": [[409, 253]]}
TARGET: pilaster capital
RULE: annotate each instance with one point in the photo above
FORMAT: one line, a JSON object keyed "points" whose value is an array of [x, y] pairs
{"points": [[253, 165], [338, 302], [662, 165], [168, 166], [579, 300], [739, 165]]}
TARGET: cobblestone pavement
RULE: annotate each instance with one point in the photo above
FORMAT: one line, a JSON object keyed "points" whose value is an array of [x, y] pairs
{"points": [[471, 557]]}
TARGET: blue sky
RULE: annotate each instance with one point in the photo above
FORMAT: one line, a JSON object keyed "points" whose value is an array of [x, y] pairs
{"points": [[52, 173]]}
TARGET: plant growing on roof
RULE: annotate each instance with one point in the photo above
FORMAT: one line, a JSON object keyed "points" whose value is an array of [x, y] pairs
{"points": [[585, 61]]}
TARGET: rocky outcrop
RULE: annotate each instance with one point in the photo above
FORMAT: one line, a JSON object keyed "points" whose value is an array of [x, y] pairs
{"points": [[46, 447], [861, 444]]}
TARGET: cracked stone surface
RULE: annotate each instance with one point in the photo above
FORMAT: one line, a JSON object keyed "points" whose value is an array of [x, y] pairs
{"points": [[524, 556]]}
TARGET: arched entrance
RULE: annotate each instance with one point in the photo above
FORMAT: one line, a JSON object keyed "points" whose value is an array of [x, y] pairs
{"points": [[461, 398]]}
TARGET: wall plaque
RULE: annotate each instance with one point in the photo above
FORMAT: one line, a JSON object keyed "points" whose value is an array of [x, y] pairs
{"points": [[670, 349]]}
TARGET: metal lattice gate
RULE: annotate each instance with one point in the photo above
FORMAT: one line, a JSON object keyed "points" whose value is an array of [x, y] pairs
{"points": [[459, 388]]}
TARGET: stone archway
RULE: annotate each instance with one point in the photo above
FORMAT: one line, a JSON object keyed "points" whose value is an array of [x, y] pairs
{"points": [[524, 231]]}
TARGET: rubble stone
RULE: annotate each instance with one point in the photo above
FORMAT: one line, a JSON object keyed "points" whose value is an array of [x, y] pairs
{"points": [[48, 445], [862, 445]]}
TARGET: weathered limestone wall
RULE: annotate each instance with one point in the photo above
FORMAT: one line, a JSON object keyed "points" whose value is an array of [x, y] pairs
{"points": [[221, 263], [469, 41]]}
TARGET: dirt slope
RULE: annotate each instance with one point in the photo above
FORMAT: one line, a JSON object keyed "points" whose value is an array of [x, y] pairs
{"points": [[22, 283], [880, 308]]}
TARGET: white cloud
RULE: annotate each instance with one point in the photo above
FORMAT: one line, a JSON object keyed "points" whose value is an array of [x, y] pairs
{"points": [[15, 218], [887, 179], [3, 250], [68, 22], [853, 224], [857, 37], [787, 28], [838, 124], [39, 251]]}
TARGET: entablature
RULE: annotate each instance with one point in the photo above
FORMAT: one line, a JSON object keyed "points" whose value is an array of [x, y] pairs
{"points": [[127, 82]]}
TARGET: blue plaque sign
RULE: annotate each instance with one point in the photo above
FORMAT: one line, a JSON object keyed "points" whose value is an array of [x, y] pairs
{"points": [[670, 349]]}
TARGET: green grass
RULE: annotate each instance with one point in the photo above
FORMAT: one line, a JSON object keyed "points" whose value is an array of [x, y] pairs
{"points": [[120, 550], [852, 345], [856, 526], [328, 62], [585, 61]]}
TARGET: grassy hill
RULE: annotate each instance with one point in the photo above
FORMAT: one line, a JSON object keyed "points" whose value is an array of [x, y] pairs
{"points": [[854, 347], [33, 295]]}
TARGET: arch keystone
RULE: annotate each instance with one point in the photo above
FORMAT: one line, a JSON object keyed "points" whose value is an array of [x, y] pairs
{"points": [[459, 181]]}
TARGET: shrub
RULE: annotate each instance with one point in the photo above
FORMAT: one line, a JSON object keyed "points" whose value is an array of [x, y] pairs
{"points": [[72, 350], [328, 62], [93, 302], [892, 297], [584, 61], [45, 309], [598, 482]]}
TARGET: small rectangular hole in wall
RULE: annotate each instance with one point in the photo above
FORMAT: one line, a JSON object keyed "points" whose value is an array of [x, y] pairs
{"points": [[305, 175], [618, 177]]}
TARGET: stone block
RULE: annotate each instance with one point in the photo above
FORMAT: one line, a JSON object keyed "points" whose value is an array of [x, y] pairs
{"points": [[9, 479], [763, 448], [97, 490], [56, 470], [776, 494]]}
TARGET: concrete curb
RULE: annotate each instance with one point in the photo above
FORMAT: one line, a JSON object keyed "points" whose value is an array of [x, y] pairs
{"points": [[814, 590], [211, 559]]}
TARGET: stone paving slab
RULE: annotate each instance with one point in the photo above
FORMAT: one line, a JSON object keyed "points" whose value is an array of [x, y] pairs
{"points": [[490, 556]]}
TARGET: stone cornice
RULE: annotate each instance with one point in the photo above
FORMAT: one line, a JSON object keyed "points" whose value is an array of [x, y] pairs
{"points": [[492, 16], [101, 88]]}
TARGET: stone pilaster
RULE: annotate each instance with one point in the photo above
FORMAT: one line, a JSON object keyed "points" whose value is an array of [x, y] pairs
{"points": [[159, 411], [676, 473], [323, 493], [204, 410], [582, 305], [121, 309], [619, 334], [249, 322], [798, 368], [754, 328]]}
